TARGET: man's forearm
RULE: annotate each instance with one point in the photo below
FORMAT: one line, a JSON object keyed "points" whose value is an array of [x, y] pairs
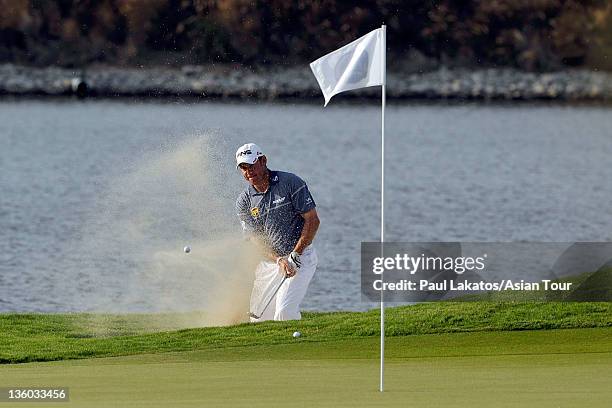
{"points": [[311, 225]]}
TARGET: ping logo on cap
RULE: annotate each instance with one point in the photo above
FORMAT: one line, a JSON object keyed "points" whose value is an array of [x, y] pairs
{"points": [[248, 153]]}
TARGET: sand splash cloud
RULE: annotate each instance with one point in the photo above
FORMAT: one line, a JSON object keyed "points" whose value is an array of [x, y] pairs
{"points": [[182, 194]]}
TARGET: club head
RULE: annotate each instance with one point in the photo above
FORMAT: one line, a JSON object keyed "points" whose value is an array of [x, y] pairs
{"points": [[253, 315]]}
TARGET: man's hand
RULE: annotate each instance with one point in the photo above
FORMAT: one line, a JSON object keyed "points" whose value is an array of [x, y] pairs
{"points": [[290, 265], [285, 268], [294, 260]]}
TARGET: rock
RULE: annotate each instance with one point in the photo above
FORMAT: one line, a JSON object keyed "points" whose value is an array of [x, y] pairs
{"points": [[298, 81]]}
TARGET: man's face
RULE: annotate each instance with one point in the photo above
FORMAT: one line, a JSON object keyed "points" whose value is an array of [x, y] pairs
{"points": [[254, 173]]}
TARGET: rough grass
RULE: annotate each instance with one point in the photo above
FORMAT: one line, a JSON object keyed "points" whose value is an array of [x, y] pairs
{"points": [[46, 337]]}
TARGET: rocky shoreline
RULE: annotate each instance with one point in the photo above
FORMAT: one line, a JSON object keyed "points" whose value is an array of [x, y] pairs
{"points": [[225, 81]]}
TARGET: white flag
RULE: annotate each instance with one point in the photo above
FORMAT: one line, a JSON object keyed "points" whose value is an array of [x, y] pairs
{"points": [[356, 65]]}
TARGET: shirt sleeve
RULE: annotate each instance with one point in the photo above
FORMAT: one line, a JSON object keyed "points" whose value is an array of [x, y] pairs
{"points": [[300, 196], [244, 215]]}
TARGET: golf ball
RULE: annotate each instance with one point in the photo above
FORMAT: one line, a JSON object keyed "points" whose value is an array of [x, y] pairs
{"points": [[296, 334], [187, 249]]}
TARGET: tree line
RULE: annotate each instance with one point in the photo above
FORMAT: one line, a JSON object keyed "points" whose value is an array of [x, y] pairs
{"points": [[527, 34]]}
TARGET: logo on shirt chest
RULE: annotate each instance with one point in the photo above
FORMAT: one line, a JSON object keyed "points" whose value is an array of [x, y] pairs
{"points": [[255, 212], [279, 200]]}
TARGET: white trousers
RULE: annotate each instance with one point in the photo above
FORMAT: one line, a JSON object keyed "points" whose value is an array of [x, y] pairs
{"points": [[286, 304]]}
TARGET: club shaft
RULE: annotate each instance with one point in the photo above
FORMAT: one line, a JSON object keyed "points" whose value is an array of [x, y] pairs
{"points": [[269, 300]]}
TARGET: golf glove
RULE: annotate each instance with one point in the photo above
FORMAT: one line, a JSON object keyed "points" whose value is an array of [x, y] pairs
{"points": [[294, 261]]}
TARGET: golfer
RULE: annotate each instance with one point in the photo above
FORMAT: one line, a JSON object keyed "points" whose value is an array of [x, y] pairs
{"points": [[277, 209]]}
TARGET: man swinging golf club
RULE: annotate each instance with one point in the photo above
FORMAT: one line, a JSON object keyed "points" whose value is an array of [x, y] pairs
{"points": [[277, 209]]}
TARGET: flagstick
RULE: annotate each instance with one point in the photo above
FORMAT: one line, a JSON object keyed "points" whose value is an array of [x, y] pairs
{"points": [[358, 51], [382, 205]]}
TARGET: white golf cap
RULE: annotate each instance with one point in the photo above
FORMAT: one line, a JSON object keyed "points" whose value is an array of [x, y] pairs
{"points": [[248, 153]]}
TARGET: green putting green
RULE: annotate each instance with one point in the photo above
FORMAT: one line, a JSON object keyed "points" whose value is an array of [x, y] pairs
{"points": [[543, 368]]}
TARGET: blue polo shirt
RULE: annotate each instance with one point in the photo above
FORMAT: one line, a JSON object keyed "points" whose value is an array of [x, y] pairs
{"points": [[275, 215]]}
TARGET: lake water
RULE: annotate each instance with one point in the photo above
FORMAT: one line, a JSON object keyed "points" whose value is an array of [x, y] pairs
{"points": [[86, 188]]}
